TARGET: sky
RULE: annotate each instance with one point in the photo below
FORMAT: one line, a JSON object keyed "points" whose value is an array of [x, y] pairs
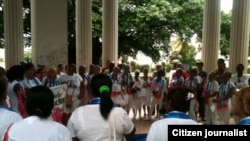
{"points": [[226, 5]]}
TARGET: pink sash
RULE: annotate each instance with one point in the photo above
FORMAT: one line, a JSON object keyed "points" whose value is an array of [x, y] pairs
{"points": [[6, 135], [21, 107]]}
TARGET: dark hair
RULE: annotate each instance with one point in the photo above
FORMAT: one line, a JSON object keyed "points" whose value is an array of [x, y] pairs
{"points": [[178, 70], [240, 65], [82, 67], [101, 86], [40, 101], [200, 63], [59, 65], [3, 85], [72, 65], [2, 71], [15, 72], [221, 60], [178, 97], [29, 66]]}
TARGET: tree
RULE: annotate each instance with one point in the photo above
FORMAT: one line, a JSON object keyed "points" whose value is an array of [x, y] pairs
{"points": [[186, 52], [145, 25], [148, 25], [226, 19]]}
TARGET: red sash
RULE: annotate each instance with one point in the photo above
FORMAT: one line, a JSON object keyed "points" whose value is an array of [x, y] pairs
{"points": [[21, 107], [113, 94], [129, 92], [204, 94], [5, 103], [220, 106], [6, 135], [157, 95]]}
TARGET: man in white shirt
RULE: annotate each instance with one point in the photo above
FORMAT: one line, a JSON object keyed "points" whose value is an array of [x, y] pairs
{"points": [[240, 81], [177, 105]]}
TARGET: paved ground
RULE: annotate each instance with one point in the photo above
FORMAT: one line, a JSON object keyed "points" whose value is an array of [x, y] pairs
{"points": [[142, 125]]}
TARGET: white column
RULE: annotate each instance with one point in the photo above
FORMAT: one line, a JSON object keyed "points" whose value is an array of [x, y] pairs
{"points": [[240, 28], [211, 34], [49, 32], [110, 31], [83, 32], [13, 32]]}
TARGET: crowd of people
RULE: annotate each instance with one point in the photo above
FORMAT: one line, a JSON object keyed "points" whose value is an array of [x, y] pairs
{"points": [[98, 101]]}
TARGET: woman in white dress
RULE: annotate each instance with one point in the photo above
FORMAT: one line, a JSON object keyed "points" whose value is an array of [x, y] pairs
{"points": [[117, 92], [7, 115], [15, 89], [146, 102], [140, 93], [159, 88], [210, 92], [100, 120], [75, 91], [38, 126], [30, 80]]}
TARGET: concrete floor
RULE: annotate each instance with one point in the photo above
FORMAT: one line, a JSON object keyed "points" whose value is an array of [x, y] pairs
{"points": [[142, 125]]}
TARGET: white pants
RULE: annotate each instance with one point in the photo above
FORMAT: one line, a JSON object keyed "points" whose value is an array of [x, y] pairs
{"points": [[131, 102], [236, 118], [192, 109], [233, 99], [223, 116], [155, 102], [147, 99], [224, 113], [210, 116]]}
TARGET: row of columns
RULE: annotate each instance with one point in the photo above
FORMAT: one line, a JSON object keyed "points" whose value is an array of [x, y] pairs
{"points": [[49, 32], [83, 32], [239, 43], [240, 29], [211, 33], [13, 32]]}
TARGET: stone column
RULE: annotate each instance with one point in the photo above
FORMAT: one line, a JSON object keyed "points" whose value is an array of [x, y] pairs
{"points": [[13, 32], [49, 32], [240, 28], [110, 31], [211, 34], [83, 32]]}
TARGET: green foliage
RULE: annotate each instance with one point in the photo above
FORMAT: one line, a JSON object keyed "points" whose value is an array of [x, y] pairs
{"points": [[169, 67], [143, 66], [225, 33], [186, 54], [248, 70], [28, 57], [148, 25], [144, 25]]}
